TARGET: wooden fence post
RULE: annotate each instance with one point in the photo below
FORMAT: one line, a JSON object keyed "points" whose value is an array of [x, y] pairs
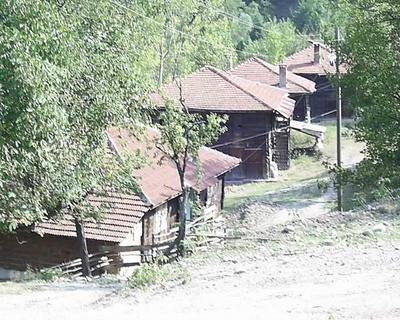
{"points": [[80, 233]]}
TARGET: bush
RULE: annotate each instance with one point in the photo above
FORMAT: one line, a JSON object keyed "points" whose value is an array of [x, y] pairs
{"points": [[148, 274], [49, 274]]}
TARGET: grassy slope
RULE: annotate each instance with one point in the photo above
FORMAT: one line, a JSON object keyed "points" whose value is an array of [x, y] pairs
{"points": [[303, 170]]}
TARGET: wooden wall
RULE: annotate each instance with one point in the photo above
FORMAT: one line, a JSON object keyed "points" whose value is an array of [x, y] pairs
{"points": [[253, 151], [27, 250], [151, 219], [321, 101], [300, 109], [281, 151]]}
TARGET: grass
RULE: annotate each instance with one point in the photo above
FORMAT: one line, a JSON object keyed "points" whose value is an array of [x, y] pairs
{"points": [[12, 287], [305, 170], [148, 274]]}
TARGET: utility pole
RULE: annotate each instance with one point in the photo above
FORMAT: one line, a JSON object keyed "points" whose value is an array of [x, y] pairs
{"points": [[338, 122]]}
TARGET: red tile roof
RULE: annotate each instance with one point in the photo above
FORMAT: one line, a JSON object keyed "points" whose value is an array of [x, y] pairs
{"points": [[120, 216], [259, 70], [161, 182], [211, 89], [158, 183], [303, 62]]}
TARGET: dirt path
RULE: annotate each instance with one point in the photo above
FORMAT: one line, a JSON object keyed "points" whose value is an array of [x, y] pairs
{"points": [[356, 283], [359, 280]]}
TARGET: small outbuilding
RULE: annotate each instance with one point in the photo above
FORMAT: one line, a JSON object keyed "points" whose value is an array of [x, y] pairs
{"points": [[128, 219]]}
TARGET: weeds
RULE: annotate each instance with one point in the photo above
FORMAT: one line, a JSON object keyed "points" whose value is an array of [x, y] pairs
{"points": [[148, 274]]}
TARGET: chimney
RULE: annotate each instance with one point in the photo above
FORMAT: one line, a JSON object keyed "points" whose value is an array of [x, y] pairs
{"points": [[282, 75], [317, 53]]}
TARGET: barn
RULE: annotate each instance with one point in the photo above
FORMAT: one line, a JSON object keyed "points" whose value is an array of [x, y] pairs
{"points": [[259, 118]]}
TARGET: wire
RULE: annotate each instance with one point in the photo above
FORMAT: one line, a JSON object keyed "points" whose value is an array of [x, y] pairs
{"points": [[243, 22], [268, 132], [254, 152], [187, 34], [248, 157]]}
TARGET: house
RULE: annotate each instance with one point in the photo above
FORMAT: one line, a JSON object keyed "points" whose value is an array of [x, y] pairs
{"points": [[299, 88], [314, 64], [128, 219], [257, 112]]}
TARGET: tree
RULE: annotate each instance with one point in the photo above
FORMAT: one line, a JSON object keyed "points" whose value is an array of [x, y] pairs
{"points": [[182, 135], [191, 35], [68, 71], [371, 50], [311, 16], [279, 41]]}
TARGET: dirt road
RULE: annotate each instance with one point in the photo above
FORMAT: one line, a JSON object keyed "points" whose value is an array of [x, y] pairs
{"points": [[356, 283]]}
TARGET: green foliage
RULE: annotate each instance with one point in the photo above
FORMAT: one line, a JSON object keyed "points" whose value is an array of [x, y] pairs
{"points": [[60, 89], [322, 185], [371, 51], [280, 41], [148, 274], [45, 274], [313, 16], [300, 140], [182, 135], [189, 34], [48, 274]]}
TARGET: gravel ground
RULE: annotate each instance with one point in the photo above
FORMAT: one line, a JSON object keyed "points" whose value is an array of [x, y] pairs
{"points": [[292, 276], [360, 282]]}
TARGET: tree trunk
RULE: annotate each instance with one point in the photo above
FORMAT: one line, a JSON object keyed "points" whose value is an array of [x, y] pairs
{"points": [[182, 221], [80, 233], [161, 66]]}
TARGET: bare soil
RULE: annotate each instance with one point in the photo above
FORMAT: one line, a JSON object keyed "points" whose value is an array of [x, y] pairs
{"points": [[295, 275], [341, 283]]}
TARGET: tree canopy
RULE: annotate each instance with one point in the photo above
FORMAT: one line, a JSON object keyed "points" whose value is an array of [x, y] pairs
{"points": [[371, 50], [71, 69], [68, 71]]}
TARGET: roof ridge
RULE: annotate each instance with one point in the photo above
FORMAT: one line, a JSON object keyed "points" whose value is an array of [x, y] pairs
{"points": [[265, 64], [237, 85], [298, 52], [271, 67], [143, 197]]}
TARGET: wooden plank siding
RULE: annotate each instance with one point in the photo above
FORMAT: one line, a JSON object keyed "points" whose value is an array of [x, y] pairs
{"points": [[150, 220], [300, 109], [281, 153], [29, 251], [252, 151], [321, 101]]}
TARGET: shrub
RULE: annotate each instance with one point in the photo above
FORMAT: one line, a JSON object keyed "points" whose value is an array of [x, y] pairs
{"points": [[148, 274]]}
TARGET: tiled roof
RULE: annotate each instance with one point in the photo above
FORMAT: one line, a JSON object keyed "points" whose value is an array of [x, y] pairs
{"points": [[120, 216], [159, 179], [158, 183], [258, 70], [211, 89], [303, 62]]}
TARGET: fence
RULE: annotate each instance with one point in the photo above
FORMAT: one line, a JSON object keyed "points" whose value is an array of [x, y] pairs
{"points": [[203, 231]]}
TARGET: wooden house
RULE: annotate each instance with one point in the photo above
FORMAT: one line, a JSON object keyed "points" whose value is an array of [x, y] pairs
{"points": [[314, 64], [299, 88], [256, 113], [128, 219]]}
